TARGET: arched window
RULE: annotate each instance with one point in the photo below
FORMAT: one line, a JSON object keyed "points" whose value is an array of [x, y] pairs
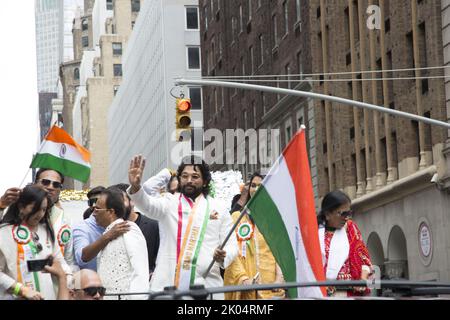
{"points": [[76, 74]]}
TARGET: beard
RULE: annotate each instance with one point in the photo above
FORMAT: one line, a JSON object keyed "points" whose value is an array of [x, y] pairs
{"points": [[191, 191]]}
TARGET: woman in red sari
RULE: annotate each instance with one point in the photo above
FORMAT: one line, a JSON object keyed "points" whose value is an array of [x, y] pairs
{"points": [[344, 254]]}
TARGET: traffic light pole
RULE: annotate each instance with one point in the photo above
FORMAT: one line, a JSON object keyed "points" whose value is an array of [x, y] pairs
{"points": [[316, 96]]}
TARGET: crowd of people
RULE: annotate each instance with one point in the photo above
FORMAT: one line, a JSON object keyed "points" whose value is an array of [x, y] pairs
{"points": [[117, 251]]}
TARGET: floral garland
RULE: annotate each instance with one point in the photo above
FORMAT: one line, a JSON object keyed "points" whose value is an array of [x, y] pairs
{"points": [[21, 234]]}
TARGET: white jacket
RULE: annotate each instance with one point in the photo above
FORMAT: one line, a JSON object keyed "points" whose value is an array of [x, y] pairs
{"points": [[164, 209]]}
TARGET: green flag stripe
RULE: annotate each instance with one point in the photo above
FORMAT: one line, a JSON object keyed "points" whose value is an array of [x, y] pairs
{"points": [[270, 223], [66, 167]]}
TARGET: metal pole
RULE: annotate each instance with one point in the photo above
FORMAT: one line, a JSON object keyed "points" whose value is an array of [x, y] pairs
{"points": [[226, 240], [316, 96]]}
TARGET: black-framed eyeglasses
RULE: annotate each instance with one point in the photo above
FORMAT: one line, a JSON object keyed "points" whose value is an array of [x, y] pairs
{"points": [[55, 184], [346, 214], [92, 291], [92, 202]]}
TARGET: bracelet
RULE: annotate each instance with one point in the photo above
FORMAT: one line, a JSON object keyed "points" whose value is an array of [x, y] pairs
{"points": [[17, 288]]}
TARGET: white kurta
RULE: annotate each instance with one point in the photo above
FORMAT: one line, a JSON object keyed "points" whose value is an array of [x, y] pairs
{"points": [[164, 209], [8, 262], [123, 264]]}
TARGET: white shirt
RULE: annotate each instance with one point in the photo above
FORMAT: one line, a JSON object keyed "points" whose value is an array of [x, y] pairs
{"points": [[123, 264]]}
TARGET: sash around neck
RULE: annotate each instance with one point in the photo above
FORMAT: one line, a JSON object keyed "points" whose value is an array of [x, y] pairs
{"points": [[338, 254]]}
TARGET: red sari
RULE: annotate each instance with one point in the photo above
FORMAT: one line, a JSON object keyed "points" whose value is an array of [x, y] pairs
{"points": [[358, 256]]}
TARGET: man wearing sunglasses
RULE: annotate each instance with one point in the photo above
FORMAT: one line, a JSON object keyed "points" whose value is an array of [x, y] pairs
{"points": [[87, 286], [89, 238], [52, 181]]}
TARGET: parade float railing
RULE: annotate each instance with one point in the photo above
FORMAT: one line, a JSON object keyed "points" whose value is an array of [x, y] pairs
{"points": [[401, 288]]}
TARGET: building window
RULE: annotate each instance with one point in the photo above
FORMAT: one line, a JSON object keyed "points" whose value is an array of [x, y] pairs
{"points": [[117, 70], [286, 17], [84, 25], [195, 95], [252, 60], [241, 20], [288, 134], [288, 75], [233, 28], [261, 49], [205, 15], [254, 114], [76, 74], [192, 18], [194, 58], [298, 10], [274, 31], [117, 48], [135, 5], [220, 45], [249, 9], [109, 5], [300, 65], [85, 41]]}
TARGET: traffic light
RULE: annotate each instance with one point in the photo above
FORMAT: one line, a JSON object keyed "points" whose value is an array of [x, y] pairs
{"points": [[183, 119]]}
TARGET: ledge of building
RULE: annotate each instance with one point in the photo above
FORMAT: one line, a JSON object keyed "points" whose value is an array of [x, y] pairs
{"points": [[395, 191]]}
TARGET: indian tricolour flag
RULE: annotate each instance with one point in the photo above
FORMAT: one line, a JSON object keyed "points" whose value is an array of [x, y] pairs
{"points": [[60, 152], [284, 212]]}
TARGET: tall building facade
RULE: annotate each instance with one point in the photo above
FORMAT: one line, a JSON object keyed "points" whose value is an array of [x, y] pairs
{"points": [[53, 46], [250, 40], [385, 163], [91, 80], [165, 44]]}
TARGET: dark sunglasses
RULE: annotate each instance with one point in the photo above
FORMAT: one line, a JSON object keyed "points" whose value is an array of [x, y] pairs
{"points": [[55, 184], [92, 291], [345, 214], [92, 201]]}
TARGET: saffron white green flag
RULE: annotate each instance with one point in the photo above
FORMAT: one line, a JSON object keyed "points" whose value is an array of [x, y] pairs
{"points": [[284, 212], [60, 152]]}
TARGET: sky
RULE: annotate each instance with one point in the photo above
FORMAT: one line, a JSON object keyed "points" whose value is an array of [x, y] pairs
{"points": [[18, 92]]}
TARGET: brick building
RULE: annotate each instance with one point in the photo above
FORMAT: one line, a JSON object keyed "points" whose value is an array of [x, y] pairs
{"points": [[253, 38], [384, 163]]}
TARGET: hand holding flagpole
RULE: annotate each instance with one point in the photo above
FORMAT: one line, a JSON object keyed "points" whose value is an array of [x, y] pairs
{"points": [[243, 213]]}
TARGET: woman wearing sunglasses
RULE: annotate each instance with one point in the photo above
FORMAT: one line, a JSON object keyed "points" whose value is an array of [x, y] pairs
{"points": [[26, 235], [344, 254]]}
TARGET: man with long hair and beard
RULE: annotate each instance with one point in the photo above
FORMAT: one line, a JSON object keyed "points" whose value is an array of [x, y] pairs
{"points": [[193, 226]]}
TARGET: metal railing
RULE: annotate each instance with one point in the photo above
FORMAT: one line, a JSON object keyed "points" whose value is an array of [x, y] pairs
{"points": [[402, 288]]}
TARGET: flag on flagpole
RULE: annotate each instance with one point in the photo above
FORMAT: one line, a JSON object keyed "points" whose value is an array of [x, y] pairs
{"points": [[284, 212], [60, 152]]}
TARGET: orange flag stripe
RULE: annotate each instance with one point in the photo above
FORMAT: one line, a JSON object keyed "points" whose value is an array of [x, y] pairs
{"points": [[58, 135]]}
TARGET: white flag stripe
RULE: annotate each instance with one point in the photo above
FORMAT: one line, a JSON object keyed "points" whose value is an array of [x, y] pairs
{"points": [[282, 191], [71, 153]]}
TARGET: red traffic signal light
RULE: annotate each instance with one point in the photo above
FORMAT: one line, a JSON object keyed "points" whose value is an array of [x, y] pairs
{"points": [[184, 105], [183, 119]]}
